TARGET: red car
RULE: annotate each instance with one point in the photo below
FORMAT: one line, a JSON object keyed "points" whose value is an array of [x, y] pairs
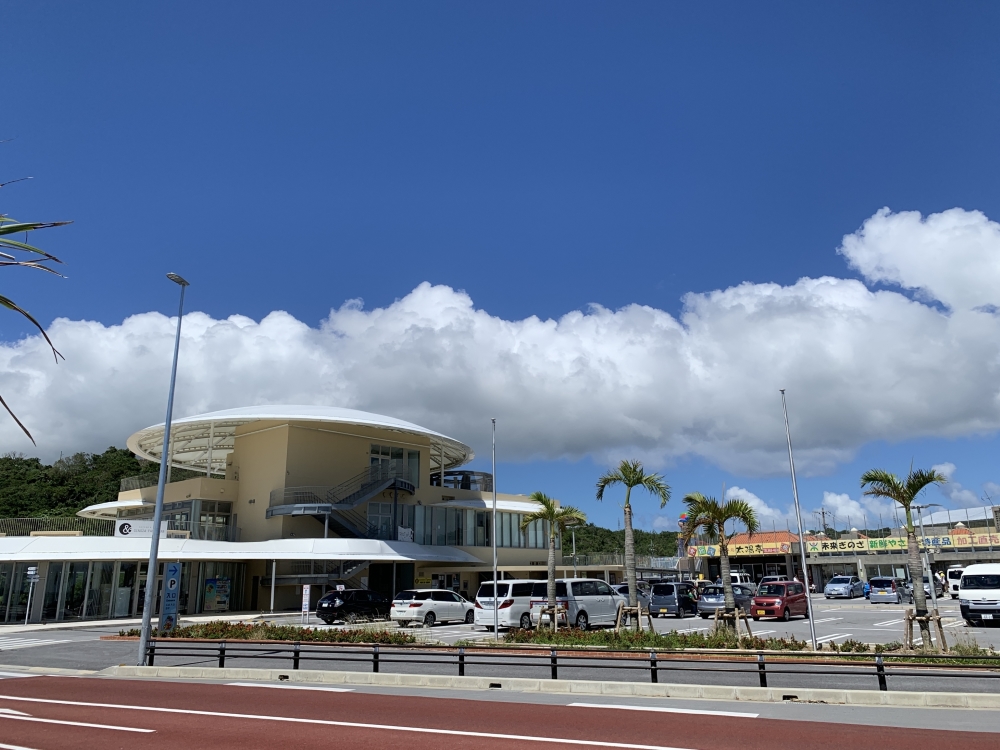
{"points": [[781, 600]]}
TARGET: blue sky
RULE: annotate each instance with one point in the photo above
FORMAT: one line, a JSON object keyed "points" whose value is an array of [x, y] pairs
{"points": [[542, 159]]}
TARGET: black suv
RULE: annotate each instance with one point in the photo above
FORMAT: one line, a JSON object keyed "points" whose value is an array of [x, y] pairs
{"points": [[352, 605]]}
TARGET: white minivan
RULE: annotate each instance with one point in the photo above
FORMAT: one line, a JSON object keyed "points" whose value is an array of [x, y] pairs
{"points": [[979, 593], [588, 602], [954, 578], [515, 604]]}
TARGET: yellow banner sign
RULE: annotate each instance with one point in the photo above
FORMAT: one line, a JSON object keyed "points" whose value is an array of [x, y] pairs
{"points": [[863, 546], [741, 550]]}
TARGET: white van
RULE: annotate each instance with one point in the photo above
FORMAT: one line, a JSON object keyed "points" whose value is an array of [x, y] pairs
{"points": [[979, 593], [588, 601], [515, 604], [953, 578], [742, 579]]}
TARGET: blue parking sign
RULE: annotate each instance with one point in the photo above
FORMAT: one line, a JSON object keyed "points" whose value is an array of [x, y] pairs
{"points": [[170, 596]]}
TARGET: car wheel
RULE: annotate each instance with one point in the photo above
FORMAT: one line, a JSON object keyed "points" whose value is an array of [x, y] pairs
{"points": [[969, 623], [429, 619], [756, 618], [582, 621], [704, 617], [525, 621], [470, 617], [786, 615]]}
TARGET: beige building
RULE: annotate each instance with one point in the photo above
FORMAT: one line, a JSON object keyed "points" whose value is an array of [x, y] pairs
{"points": [[290, 495]]}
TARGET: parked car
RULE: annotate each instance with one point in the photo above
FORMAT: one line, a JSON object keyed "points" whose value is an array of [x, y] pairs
{"points": [[429, 606], [714, 597], [846, 587], [954, 577], [938, 588], [772, 579], [352, 605], [664, 597], [642, 597], [514, 608], [886, 590], [588, 601], [742, 579], [979, 594], [781, 600]]}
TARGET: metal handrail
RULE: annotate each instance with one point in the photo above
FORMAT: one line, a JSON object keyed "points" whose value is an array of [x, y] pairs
{"points": [[346, 494], [86, 526], [652, 661]]}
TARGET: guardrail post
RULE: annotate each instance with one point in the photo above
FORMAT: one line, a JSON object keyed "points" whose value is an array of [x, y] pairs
{"points": [[295, 656], [653, 669], [151, 652], [761, 673], [375, 658], [555, 664], [222, 654], [880, 668], [461, 661]]}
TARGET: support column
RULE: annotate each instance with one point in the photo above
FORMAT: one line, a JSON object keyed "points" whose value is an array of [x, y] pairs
{"points": [[211, 440], [274, 564]]}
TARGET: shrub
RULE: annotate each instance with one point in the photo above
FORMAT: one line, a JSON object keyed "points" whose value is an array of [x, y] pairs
{"points": [[671, 640], [265, 631]]}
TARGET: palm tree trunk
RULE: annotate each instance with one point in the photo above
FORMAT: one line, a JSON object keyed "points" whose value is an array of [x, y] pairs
{"points": [[630, 560], [551, 589], [917, 577]]}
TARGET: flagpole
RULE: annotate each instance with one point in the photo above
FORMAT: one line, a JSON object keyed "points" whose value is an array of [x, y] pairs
{"points": [[493, 535], [798, 518]]}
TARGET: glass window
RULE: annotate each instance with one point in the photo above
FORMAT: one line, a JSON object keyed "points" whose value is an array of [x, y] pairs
{"points": [[53, 582], [441, 596], [541, 590], [413, 467], [522, 589], [663, 589], [440, 527], [602, 588]]}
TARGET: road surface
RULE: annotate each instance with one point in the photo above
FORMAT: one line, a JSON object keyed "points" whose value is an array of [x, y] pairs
{"points": [[58, 713]]}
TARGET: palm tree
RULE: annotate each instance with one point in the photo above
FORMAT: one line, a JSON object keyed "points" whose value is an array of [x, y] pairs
{"points": [[708, 514], [631, 474], [881, 483], [28, 258], [558, 520]]}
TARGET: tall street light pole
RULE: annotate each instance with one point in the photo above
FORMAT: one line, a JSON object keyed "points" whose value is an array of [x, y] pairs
{"points": [[798, 518], [149, 602], [493, 534]]}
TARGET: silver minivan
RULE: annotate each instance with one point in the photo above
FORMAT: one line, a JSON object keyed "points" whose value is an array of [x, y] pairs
{"points": [[588, 602], [663, 599]]}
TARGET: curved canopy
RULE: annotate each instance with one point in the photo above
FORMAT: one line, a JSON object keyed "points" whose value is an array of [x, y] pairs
{"points": [[192, 437]]}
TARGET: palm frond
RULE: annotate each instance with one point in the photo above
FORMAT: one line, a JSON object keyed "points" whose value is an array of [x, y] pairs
{"points": [[11, 305], [917, 480]]}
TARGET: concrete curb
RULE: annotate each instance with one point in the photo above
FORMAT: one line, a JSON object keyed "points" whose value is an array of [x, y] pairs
{"points": [[573, 687], [47, 670]]}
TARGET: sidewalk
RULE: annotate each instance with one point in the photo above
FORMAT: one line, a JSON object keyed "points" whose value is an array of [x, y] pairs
{"points": [[122, 623]]}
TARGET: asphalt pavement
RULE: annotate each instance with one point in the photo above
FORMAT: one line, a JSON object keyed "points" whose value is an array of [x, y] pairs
{"points": [[52, 713]]}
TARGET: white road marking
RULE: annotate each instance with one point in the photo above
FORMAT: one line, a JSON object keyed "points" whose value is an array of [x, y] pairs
{"points": [[833, 637], [290, 687], [352, 724], [765, 632], [887, 622], [956, 624], [18, 716], [667, 710], [12, 711], [690, 630], [9, 644], [14, 747], [827, 619], [4, 675]]}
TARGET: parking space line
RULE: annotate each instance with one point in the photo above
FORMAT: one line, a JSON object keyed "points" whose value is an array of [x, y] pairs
{"points": [[666, 710], [833, 637], [887, 622], [827, 619]]}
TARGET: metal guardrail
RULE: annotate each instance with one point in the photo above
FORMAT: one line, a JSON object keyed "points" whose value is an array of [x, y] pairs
{"points": [[650, 661], [87, 526]]}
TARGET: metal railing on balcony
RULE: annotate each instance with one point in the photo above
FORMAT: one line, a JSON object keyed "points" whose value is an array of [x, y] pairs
{"points": [[477, 481], [644, 562], [85, 526], [137, 482]]}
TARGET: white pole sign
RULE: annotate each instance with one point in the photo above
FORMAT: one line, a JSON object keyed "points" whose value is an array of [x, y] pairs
{"points": [[306, 590]]}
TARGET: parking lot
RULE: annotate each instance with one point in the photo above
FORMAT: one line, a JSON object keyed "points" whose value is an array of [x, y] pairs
{"points": [[836, 620]]}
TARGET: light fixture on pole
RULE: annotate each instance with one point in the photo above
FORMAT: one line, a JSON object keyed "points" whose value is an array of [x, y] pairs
{"points": [[798, 518], [493, 537], [927, 560], [149, 602]]}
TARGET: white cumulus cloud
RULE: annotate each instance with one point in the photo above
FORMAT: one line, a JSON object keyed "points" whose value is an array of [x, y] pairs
{"points": [[859, 364]]}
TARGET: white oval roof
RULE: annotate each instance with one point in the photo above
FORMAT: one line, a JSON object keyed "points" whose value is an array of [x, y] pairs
{"points": [[191, 435]]}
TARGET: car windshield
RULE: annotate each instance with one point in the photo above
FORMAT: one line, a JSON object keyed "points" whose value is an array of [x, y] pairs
{"points": [[981, 582], [541, 590], [771, 589], [841, 579], [663, 589], [955, 574], [486, 590]]}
